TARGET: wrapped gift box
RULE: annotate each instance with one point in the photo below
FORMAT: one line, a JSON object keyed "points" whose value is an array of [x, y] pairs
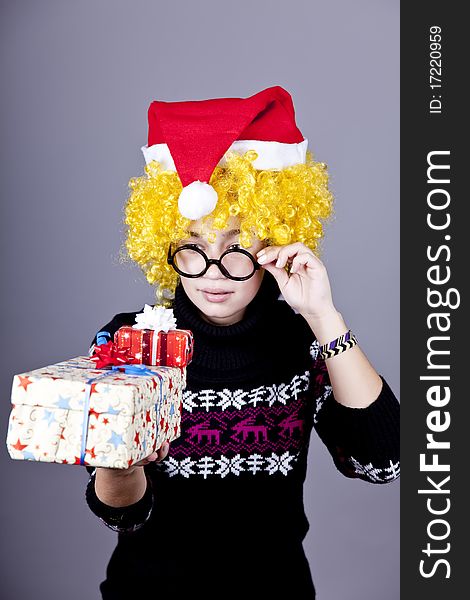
{"points": [[173, 348], [73, 413]]}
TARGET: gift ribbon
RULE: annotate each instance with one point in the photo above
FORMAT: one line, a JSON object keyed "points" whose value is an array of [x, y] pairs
{"points": [[159, 339], [153, 356], [109, 354], [158, 406], [163, 351], [133, 369], [138, 370], [102, 337]]}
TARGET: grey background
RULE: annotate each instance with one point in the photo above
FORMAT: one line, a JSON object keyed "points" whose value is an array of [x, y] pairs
{"points": [[77, 78]]}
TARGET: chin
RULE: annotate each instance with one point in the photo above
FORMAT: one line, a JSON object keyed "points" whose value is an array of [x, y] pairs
{"points": [[223, 309], [223, 313]]}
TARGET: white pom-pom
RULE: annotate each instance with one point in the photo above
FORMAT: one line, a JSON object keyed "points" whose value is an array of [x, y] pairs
{"points": [[197, 200]]}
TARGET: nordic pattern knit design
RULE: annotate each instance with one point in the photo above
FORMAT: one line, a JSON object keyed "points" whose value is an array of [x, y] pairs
{"points": [[235, 432], [255, 391]]}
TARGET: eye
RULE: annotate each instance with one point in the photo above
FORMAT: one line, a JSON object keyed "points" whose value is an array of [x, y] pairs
{"points": [[234, 246]]}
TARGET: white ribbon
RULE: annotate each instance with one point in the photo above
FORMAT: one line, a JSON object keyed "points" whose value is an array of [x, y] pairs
{"points": [[153, 355], [157, 318]]}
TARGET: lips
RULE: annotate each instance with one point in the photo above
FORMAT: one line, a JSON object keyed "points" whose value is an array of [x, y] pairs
{"points": [[215, 295]]}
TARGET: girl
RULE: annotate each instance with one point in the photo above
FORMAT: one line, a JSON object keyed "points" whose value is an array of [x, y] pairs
{"points": [[233, 250]]}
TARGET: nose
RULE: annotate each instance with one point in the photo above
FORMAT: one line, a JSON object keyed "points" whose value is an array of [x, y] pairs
{"points": [[213, 272]]}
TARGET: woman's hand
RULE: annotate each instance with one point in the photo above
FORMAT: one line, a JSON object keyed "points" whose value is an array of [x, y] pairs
{"points": [[156, 456], [123, 487], [304, 285]]}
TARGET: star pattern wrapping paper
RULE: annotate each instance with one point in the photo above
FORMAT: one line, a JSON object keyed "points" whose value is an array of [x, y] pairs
{"points": [[128, 416]]}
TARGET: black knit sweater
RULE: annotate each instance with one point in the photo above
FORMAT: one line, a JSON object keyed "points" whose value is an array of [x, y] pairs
{"points": [[228, 498]]}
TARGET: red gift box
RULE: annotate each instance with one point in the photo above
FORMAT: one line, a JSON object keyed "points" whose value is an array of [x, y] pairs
{"points": [[157, 348]]}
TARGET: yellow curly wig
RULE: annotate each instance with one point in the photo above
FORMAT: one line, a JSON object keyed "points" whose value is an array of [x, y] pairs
{"points": [[280, 207]]}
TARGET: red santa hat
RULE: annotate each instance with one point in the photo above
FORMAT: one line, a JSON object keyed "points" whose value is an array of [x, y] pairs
{"points": [[193, 137]]}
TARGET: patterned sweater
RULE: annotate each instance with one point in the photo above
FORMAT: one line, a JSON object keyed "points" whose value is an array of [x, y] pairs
{"points": [[254, 392]]}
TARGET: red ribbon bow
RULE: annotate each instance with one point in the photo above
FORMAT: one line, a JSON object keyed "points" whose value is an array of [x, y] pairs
{"points": [[110, 354]]}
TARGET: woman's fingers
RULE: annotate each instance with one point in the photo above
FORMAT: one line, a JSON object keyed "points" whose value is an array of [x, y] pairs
{"points": [[151, 458], [306, 259], [281, 255], [287, 252], [162, 452], [156, 456]]}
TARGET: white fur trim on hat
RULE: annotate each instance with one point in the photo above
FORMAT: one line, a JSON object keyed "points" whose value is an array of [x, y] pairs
{"points": [[271, 155]]}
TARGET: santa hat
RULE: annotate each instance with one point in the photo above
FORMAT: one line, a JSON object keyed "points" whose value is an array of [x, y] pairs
{"points": [[193, 137]]}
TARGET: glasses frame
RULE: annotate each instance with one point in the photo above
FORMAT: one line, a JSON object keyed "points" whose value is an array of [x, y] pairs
{"points": [[211, 261]]}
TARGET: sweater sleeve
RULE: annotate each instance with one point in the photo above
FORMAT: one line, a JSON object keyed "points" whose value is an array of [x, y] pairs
{"points": [[106, 332], [128, 518], [125, 519], [363, 442]]}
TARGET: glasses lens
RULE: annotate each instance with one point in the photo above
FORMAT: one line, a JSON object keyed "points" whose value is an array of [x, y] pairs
{"points": [[189, 261], [238, 264]]}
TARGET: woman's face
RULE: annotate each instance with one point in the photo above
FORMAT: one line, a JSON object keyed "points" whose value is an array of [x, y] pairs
{"points": [[220, 300]]}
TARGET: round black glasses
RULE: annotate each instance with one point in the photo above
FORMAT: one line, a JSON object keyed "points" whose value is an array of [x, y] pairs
{"points": [[190, 261]]}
